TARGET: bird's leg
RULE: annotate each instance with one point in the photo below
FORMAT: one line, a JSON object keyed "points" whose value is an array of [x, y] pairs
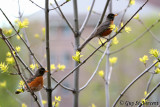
{"points": [[101, 41], [35, 97]]}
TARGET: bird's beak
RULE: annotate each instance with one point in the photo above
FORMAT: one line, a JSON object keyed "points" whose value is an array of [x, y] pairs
{"points": [[46, 71], [116, 15]]}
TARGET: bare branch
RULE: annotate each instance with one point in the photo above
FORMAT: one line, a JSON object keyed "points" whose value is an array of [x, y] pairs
{"points": [[11, 36], [87, 18], [154, 36], [59, 5], [149, 82], [67, 88], [152, 91], [125, 10], [103, 14], [63, 16], [87, 83], [92, 46], [130, 84], [36, 4]]}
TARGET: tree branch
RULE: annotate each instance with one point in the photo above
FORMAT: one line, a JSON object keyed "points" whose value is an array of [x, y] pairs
{"points": [[154, 36], [77, 42], [87, 18], [67, 88], [130, 84], [36, 4], [95, 71], [149, 82], [152, 91], [49, 91], [60, 5], [63, 16]]}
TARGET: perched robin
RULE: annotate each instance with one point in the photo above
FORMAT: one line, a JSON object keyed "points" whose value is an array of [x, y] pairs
{"points": [[35, 82], [102, 30]]}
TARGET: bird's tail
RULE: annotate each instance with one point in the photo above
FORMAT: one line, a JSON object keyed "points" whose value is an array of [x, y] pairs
{"points": [[85, 42], [18, 91]]}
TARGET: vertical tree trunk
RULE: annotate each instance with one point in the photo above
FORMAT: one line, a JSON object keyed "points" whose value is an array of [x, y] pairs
{"points": [[106, 77], [76, 74], [49, 90]]}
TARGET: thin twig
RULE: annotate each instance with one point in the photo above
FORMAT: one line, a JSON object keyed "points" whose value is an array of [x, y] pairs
{"points": [[103, 13], [149, 94], [25, 35], [95, 71], [11, 36], [149, 82], [67, 88], [60, 5], [141, 35], [125, 10], [36, 4], [130, 84], [154, 36], [92, 46], [63, 16], [87, 18]]}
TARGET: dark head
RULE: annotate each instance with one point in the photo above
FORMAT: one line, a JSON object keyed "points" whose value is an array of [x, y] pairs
{"points": [[111, 16], [40, 72]]}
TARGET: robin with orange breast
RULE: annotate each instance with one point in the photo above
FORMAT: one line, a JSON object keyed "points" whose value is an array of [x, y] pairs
{"points": [[102, 30], [35, 82]]}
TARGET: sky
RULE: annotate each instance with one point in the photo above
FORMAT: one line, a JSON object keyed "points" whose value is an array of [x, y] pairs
{"points": [[10, 7]]}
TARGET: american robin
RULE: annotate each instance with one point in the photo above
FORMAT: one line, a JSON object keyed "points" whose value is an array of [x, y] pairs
{"points": [[35, 82], [102, 30]]}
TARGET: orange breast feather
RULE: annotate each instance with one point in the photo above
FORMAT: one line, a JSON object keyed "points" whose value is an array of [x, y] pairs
{"points": [[107, 31], [36, 84]]}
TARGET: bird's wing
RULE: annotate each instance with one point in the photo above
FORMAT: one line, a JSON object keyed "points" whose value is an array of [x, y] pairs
{"points": [[102, 27], [31, 79]]}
